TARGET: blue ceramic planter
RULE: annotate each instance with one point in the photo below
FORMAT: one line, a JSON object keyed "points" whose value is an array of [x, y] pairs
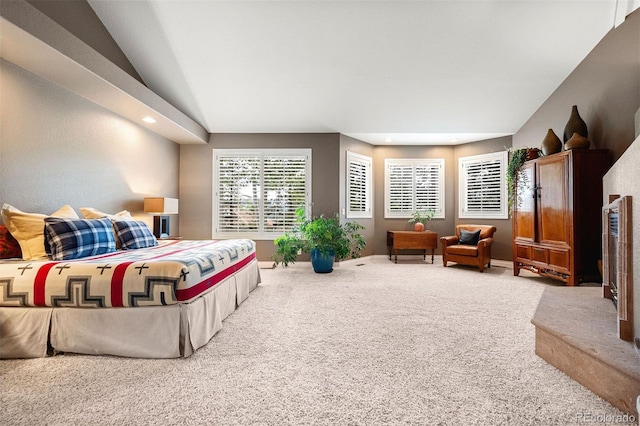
{"points": [[322, 263]]}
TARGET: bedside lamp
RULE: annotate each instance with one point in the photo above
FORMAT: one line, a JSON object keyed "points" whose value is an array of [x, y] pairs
{"points": [[161, 207]]}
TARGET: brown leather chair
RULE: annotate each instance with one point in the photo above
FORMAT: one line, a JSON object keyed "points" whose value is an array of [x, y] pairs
{"points": [[469, 254]]}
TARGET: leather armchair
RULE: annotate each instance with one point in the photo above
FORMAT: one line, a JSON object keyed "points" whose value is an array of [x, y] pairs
{"points": [[477, 255]]}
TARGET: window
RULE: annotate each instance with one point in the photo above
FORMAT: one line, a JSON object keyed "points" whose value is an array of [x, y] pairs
{"points": [[358, 186], [257, 192], [413, 184], [483, 187]]}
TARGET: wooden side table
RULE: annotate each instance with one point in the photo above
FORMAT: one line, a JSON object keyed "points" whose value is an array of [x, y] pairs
{"points": [[404, 240]]}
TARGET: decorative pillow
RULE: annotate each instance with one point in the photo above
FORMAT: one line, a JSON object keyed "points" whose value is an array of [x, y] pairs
{"points": [[134, 234], [28, 229], [9, 247], [469, 238], [75, 238], [91, 213]]}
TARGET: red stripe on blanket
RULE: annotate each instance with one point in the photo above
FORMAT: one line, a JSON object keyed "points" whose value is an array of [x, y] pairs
{"points": [[197, 289], [39, 283], [116, 284]]}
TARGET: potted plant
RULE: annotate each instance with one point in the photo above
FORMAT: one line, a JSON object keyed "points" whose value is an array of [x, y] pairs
{"points": [[420, 217], [324, 238], [515, 179]]}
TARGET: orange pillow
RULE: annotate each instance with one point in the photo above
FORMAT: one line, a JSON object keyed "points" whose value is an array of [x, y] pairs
{"points": [[9, 247]]}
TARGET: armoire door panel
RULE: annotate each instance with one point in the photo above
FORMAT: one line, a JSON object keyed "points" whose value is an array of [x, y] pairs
{"points": [[552, 201], [525, 226]]}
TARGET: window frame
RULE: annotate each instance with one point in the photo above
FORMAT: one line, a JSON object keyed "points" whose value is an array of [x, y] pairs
{"points": [[260, 234], [463, 190], [366, 185], [414, 162]]}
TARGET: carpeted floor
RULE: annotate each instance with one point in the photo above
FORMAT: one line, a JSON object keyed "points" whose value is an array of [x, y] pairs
{"points": [[372, 343]]}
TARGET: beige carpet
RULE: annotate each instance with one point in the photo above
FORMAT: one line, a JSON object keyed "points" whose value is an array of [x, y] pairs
{"points": [[372, 343]]}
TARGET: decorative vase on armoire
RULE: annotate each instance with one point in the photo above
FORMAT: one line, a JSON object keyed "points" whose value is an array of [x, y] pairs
{"points": [[575, 125], [551, 143], [577, 141]]}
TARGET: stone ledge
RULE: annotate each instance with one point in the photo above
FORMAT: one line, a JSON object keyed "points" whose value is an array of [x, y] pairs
{"points": [[576, 333]]}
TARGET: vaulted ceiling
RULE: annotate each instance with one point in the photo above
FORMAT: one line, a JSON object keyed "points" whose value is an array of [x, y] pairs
{"points": [[386, 72]]}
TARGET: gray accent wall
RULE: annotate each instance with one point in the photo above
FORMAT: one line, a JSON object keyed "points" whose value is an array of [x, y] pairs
{"points": [[329, 184], [196, 177], [502, 243], [58, 148]]}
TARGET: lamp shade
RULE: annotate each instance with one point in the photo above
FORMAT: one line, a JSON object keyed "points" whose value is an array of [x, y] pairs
{"points": [[161, 205]]}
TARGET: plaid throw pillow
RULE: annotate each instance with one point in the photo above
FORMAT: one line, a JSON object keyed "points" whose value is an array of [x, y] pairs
{"points": [[75, 238], [134, 234], [9, 247]]}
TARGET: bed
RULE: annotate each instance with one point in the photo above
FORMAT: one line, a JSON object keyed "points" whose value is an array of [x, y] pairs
{"points": [[164, 301]]}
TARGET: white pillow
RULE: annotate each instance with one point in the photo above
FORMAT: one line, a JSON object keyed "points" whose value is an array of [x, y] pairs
{"points": [[91, 213], [28, 229]]}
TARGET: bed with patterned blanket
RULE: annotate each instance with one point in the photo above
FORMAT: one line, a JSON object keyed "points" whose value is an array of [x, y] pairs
{"points": [[164, 301]]}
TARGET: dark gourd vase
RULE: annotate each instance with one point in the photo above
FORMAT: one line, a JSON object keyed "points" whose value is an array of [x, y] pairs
{"points": [[551, 143], [577, 141], [575, 125]]}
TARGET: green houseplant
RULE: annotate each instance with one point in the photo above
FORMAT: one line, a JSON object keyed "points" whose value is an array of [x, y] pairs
{"points": [[517, 181], [324, 238], [420, 217]]}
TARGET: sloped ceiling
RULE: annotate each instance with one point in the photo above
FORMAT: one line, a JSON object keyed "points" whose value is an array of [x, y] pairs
{"points": [[386, 72]]}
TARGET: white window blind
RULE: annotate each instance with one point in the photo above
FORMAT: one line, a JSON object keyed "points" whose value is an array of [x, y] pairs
{"points": [[359, 178], [483, 186], [414, 184], [256, 192]]}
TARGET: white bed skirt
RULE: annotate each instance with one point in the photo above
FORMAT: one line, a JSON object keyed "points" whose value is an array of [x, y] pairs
{"points": [[143, 332]]}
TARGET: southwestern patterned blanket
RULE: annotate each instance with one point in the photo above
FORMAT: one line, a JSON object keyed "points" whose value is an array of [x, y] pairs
{"points": [[173, 272]]}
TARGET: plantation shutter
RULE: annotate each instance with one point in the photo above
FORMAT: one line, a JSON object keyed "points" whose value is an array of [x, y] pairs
{"points": [[358, 186], [483, 191], [238, 179], [412, 185], [284, 191], [429, 187], [400, 190], [257, 192]]}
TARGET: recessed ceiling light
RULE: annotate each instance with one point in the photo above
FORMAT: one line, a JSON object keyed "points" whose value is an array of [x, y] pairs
{"points": [[454, 140], [388, 139], [149, 120]]}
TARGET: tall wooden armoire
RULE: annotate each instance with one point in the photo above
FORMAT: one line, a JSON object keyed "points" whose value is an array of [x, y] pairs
{"points": [[557, 217]]}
